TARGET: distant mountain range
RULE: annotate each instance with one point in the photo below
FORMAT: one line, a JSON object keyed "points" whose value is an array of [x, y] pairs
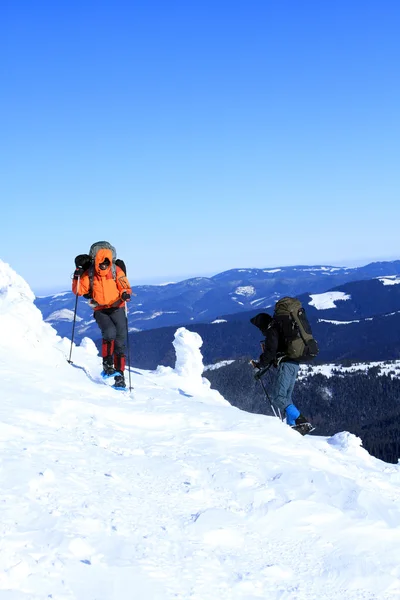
{"points": [[208, 299], [359, 320]]}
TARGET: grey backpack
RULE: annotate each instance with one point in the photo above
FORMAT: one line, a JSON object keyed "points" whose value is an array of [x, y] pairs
{"points": [[94, 248]]}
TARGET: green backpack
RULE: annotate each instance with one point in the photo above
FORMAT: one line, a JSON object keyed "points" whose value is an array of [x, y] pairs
{"points": [[296, 330]]}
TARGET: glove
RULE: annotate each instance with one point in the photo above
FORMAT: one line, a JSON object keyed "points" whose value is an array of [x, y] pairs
{"points": [[78, 272], [125, 296], [83, 260]]}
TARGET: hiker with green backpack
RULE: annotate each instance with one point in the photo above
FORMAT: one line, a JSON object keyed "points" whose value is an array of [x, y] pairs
{"points": [[288, 341], [101, 278]]}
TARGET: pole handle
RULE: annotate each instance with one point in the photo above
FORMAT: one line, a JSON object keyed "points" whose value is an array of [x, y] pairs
{"points": [[261, 372]]}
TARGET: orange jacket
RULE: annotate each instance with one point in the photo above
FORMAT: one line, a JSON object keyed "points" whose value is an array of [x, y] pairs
{"points": [[106, 290]]}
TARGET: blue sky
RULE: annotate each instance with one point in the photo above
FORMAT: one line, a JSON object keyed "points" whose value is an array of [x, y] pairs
{"points": [[198, 136]]}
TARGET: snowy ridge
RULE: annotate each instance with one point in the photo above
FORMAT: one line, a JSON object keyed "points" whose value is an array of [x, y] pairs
{"points": [[169, 492], [387, 367], [390, 280], [327, 299], [64, 314]]}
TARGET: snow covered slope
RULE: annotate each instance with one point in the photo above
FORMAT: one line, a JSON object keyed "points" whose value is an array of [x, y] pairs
{"points": [[169, 492]]}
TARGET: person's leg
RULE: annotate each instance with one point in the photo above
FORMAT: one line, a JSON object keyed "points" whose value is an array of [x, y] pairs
{"points": [[283, 389], [294, 369], [108, 333], [293, 416], [292, 412], [119, 320]]}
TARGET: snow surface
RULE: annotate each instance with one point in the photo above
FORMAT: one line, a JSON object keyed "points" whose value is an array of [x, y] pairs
{"points": [[389, 280], [159, 313], [216, 321], [258, 300], [245, 290], [65, 314], [168, 492], [391, 368], [337, 322], [165, 283], [327, 299], [218, 365]]}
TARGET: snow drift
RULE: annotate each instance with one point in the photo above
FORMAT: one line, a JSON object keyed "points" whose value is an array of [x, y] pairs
{"points": [[169, 492]]}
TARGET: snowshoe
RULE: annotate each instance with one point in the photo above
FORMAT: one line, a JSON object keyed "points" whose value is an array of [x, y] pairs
{"points": [[108, 373], [303, 428], [119, 382]]}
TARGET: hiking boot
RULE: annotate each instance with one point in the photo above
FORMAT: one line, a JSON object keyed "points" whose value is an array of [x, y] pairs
{"points": [[303, 425], [108, 366], [301, 420], [119, 382], [303, 428]]}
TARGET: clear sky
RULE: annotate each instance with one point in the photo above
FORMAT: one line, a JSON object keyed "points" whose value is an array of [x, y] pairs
{"points": [[198, 136]]}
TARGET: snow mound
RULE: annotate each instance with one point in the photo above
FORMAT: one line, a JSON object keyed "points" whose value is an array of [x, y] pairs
{"points": [[345, 441], [22, 327], [189, 367], [189, 360]]}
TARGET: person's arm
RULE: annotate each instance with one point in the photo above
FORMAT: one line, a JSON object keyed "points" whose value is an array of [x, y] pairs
{"points": [[123, 285], [270, 348], [84, 283]]}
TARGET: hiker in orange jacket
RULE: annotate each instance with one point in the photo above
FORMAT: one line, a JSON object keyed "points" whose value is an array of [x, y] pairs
{"points": [[107, 296]]}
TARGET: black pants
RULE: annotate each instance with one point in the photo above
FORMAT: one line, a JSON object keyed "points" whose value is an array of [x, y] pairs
{"points": [[112, 322]]}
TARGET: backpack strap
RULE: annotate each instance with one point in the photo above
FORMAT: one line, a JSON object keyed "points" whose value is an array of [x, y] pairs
{"points": [[299, 329], [91, 277]]}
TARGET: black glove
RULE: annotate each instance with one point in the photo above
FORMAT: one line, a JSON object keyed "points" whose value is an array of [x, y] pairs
{"points": [[78, 272], [125, 296], [83, 260]]}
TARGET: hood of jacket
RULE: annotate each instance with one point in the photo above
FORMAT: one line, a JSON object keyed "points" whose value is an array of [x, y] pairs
{"points": [[101, 255], [262, 321]]}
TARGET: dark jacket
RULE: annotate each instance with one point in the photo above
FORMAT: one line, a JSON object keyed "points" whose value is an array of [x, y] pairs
{"points": [[274, 345]]}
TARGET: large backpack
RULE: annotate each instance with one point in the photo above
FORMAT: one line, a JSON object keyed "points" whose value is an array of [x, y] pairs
{"points": [[299, 341], [86, 261]]}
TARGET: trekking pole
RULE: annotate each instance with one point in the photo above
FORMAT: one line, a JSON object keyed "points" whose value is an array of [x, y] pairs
{"points": [[258, 376], [129, 350], [269, 399], [73, 326]]}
